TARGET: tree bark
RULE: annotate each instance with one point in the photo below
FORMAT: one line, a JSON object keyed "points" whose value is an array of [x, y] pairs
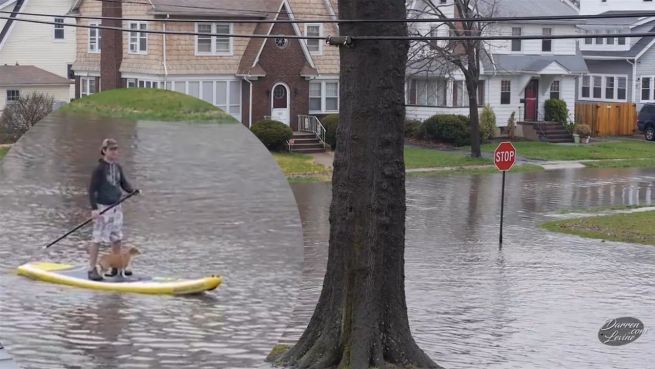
{"points": [[361, 320], [472, 86]]}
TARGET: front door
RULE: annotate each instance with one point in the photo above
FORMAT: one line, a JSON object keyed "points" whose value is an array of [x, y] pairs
{"points": [[280, 104], [531, 101]]}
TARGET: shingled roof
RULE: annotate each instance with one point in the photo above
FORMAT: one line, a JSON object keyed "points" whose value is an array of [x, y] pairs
{"points": [[29, 75]]}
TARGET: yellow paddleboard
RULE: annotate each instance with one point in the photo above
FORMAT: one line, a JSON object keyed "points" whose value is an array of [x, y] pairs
{"points": [[76, 276]]}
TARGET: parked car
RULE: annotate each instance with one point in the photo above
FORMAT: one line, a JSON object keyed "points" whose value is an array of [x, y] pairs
{"points": [[646, 121]]}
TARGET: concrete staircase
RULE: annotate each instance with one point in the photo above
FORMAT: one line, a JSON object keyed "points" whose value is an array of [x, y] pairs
{"points": [[305, 143], [553, 132]]}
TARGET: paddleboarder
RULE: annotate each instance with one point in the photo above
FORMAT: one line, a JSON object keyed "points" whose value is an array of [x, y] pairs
{"points": [[107, 183]]}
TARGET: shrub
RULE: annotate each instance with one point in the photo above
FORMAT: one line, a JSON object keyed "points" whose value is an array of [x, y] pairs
{"points": [[19, 116], [411, 128], [272, 134], [448, 128], [487, 124], [583, 130], [330, 122], [511, 125], [556, 111]]}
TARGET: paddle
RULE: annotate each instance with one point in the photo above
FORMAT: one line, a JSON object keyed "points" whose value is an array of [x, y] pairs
{"points": [[91, 219]]}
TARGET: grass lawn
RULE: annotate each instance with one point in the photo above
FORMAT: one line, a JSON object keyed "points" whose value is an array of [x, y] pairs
{"points": [[148, 104], [416, 157], [628, 149], [602, 209], [3, 152], [293, 164], [625, 163], [632, 228]]}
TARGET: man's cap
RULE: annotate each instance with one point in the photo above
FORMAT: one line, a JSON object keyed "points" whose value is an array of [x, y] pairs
{"points": [[109, 142]]}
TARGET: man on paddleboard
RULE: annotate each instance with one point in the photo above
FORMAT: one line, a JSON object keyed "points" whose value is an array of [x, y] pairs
{"points": [[107, 183]]}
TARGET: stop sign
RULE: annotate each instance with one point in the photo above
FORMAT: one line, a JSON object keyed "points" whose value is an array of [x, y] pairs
{"points": [[505, 156]]}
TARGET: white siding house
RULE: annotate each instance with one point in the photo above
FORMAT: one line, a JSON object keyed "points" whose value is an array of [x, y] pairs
{"points": [[20, 81], [602, 6], [518, 76], [48, 47]]}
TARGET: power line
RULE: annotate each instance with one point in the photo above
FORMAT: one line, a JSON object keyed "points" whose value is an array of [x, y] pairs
{"points": [[352, 38], [636, 14], [262, 12]]}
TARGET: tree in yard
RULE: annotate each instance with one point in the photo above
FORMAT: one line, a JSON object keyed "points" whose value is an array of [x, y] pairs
{"points": [[20, 115], [361, 319], [444, 57]]}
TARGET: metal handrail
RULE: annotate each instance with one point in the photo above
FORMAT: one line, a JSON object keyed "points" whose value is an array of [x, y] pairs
{"points": [[311, 123]]}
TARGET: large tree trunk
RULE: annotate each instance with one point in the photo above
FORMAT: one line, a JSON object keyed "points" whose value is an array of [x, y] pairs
{"points": [[361, 317], [472, 86]]}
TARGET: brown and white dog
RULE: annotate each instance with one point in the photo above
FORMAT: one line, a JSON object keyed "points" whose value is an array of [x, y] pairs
{"points": [[118, 261]]}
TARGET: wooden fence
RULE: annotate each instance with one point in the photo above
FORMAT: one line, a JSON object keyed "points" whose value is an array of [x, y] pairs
{"points": [[608, 119]]}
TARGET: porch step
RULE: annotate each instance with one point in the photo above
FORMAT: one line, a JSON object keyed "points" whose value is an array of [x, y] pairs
{"points": [[306, 142], [554, 133]]}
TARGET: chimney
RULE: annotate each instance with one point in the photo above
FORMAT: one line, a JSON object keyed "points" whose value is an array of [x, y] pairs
{"points": [[111, 46]]}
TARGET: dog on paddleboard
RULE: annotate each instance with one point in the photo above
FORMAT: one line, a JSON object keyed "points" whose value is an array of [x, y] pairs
{"points": [[120, 262]]}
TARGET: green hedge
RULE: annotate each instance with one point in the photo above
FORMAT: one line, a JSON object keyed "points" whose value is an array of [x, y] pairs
{"points": [[447, 128], [330, 122], [556, 111], [487, 124], [272, 134]]}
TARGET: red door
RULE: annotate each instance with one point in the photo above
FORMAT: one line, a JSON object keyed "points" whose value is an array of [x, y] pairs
{"points": [[531, 101]]}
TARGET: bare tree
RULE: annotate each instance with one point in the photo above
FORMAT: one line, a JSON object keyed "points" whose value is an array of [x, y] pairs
{"points": [[361, 319], [19, 116], [445, 57]]}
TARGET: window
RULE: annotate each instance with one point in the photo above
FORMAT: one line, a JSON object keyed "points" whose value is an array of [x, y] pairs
{"points": [[138, 40], [646, 89], [586, 84], [621, 89], [598, 87], [148, 84], [547, 44], [516, 44], [131, 83], [71, 73], [505, 92], [324, 96], [94, 38], [588, 40], [554, 90], [610, 40], [87, 86], [604, 87], [313, 45], [599, 39], [213, 45], [609, 88], [13, 96], [481, 93], [59, 28], [621, 40]]}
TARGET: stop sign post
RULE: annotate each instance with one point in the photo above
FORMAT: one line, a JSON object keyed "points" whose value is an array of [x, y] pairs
{"points": [[504, 158]]}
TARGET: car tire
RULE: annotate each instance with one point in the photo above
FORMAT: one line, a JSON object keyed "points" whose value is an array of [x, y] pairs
{"points": [[649, 133]]}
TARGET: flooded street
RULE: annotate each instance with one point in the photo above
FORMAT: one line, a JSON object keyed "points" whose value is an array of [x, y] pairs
{"points": [[537, 303], [213, 203]]}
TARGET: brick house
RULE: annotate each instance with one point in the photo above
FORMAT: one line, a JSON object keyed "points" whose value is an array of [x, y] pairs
{"points": [[251, 78]]}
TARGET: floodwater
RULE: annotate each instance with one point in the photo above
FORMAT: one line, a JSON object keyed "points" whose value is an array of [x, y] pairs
{"points": [[214, 202], [537, 303]]}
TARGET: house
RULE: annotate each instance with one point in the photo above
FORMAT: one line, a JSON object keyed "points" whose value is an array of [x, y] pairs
{"points": [[516, 76], [22, 80], [620, 69], [591, 7], [44, 46], [251, 78]]}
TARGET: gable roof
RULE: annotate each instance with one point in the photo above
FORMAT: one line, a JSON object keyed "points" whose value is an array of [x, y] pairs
{"points": [[29, 75], [208, 8], [575, 64], [6, 2], [9, 23], [249, 64], [634, 51]]}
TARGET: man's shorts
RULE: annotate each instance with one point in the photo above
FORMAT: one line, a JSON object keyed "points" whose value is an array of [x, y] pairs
{"points": [[108, 228]]}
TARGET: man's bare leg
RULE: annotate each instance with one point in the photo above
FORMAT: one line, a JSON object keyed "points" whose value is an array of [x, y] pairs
{"points": [[93, 255]]}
